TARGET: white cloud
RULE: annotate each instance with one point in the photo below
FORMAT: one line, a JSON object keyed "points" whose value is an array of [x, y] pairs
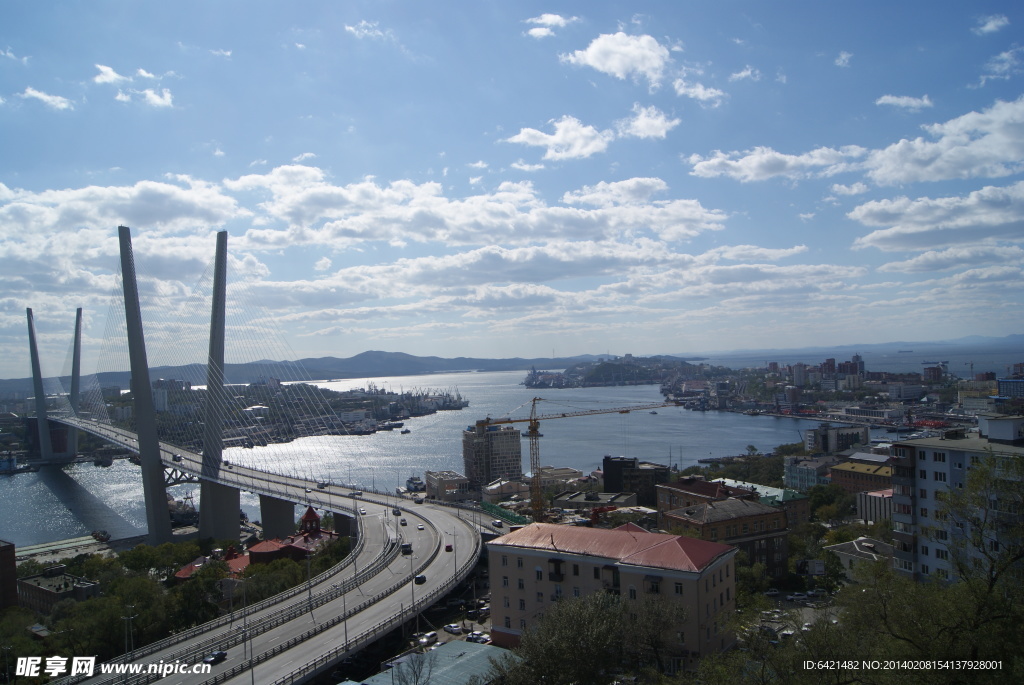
{"points": [[857, 188], [807, 216], [52, 101], [540, 32], [1002, 66], [630, 192], [477, 165], [300, 46], [142, 73], [991, 24], [217, 152], [322, 264], [304, 156], [843, 60], [108, 75], [367, 29], [123, 96], [905, 101], [221, 53], [475, 180], [985, 144], [763, 163], [154, 99], [10, 55], [523, 166], [623, 56], [747, 73], [552, 20], [647, 122], [711, 97], [992, 213], [958, 258], [571, 139], [753, 253]]}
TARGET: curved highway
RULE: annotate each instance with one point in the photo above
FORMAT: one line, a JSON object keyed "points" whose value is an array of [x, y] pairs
{"points": [[307, 630]]}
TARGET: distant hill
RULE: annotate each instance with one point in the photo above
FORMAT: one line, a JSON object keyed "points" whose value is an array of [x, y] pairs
{"points": [[365, 364]]}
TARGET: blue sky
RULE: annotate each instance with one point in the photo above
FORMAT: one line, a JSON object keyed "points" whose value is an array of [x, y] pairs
{"points": [[501, 179]]}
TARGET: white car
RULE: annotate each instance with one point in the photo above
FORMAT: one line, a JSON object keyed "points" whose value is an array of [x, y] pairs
{"points": [[453, 628], [419, 526], [362, 511], [796, 597]]}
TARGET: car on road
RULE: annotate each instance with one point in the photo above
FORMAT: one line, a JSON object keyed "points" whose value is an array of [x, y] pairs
{"points": [[308, 490], [796, 597], [403, 522], [448, 548], [215, 657], [419, 526], [420, 579], [177, 457], [428, 638], [771, 592], [478, 637], [497, 523], [362, 511], [453, 628]]}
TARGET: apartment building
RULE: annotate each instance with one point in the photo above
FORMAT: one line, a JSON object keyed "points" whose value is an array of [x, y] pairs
{"points": [[693, 490], [758, 529], [924, 470], [533, 567], [491, 453]]}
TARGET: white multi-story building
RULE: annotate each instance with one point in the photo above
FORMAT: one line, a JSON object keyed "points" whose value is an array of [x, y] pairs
{"points": [[535, 566], [927, 468]]}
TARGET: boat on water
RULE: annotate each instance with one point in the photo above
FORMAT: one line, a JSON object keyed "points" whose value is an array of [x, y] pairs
{"points": [[653, 412], [405, 430]]}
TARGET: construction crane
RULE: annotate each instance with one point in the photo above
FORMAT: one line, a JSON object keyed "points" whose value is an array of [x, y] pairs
{"points": [[533, 433]]}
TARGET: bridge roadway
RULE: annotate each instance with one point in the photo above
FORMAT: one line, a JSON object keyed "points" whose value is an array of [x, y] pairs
{"points": [[302, 633]]}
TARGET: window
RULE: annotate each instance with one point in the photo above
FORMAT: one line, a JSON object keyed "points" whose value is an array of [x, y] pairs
{"points": [[924, 513], [505, 602], [679, 588], [939, 456], [922, 474], [504, 581], [924, 550], [975, 460], [728, 594], [714, 533], [520, 584], [508, 621], [597, 573], [924, 569], [575, 592], [958, 465], [942, 554], [993, 545], [504, 560], [540, 574], [923, 494], [519, 562], [540, 596], [940, 476], [942, 573], [522, 605], [654, 588], [746, 528], [575, 569], [941, 535], [632, 592]]}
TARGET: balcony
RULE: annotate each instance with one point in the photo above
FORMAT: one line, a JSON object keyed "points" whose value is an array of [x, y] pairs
{"points": [[556, 576]]}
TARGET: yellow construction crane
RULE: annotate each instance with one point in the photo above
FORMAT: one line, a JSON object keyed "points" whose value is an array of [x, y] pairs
{"points": [[533, 433]]}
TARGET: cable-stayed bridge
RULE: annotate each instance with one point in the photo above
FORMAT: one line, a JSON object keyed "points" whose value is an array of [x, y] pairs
{"points": [[299, 634]]}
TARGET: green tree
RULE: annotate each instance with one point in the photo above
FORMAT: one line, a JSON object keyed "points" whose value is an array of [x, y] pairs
{"points": [[579, 640]]}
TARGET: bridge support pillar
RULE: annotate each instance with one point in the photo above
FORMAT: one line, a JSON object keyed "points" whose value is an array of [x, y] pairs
{"points": [[158, 518], [219, 511], [277, 516], [45, 449]]}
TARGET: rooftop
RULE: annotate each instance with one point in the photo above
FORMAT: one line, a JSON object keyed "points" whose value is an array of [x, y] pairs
{"points": [[704, 488], [723, 510], [453, 663], [627, 545], [871, 469]]}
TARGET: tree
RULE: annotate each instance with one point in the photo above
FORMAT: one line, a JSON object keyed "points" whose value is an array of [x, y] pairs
{"points": [[416, 669], [579, 640]]}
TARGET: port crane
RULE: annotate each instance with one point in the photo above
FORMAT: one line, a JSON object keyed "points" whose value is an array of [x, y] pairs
{"points": [[533, 433]]}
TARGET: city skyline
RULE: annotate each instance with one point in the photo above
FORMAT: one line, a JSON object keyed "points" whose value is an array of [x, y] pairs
{"points": [[520, 181]]}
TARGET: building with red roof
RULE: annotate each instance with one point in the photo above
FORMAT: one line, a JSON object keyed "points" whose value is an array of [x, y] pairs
{"points": [[306, 541], [534, 566]]}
